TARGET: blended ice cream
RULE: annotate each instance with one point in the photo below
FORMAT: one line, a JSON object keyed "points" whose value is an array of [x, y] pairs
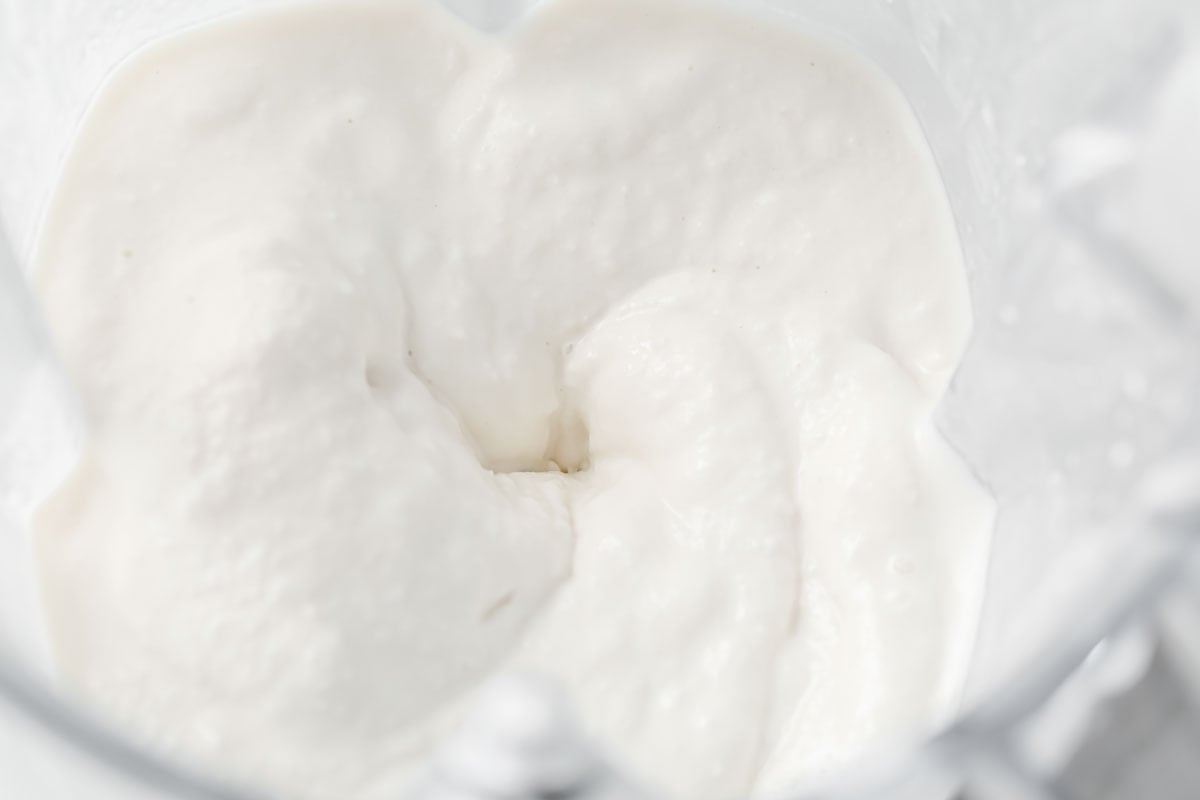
{"points": [[604, 349]]}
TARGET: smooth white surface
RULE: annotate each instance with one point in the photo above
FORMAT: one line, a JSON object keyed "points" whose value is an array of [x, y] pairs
{"points": [[342, 288]]}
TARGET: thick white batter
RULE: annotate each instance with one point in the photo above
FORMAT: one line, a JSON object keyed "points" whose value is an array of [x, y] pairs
{"points": [[607, 349]]}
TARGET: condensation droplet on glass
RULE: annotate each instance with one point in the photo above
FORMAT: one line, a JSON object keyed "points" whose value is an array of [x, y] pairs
{"points": [[1135, 385], [1120, 454]]}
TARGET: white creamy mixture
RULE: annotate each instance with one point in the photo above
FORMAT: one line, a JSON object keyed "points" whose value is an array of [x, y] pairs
{"points": [[606, 349]]}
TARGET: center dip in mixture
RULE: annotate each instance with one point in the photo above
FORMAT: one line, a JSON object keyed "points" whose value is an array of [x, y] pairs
{"points": [[605, 349]]}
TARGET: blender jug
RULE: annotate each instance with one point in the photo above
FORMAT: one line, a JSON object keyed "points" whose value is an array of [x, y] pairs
{"points": [[1065, 132]]}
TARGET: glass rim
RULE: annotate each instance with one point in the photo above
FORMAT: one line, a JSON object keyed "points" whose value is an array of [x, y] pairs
{"points": [[999, 711], [33, 700]]}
